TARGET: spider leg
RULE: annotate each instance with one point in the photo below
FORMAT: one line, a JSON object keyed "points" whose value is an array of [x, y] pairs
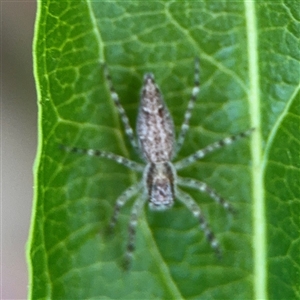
{"points": [[121, 201], [210, 148], [203, 187], [135, 212], [122, 113], [111, 156], [188, 112], [191, 204]]}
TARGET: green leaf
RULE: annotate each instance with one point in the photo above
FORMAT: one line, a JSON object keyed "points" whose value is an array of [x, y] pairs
{"points": [[249, 56]]}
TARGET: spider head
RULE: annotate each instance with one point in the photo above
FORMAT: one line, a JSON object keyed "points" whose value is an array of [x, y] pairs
{"points": [[160, 185]]}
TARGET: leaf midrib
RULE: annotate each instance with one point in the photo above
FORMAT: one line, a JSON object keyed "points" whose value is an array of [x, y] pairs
{"points": [[257, 170]]}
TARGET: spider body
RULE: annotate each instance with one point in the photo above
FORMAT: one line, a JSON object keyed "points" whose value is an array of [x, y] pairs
{"points": [[155, 142], [156, 139]]}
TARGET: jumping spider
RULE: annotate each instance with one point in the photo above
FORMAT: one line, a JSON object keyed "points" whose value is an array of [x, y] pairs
{"points": [[155, 142]]}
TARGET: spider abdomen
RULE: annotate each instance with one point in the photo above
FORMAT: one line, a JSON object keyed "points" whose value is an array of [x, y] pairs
{"points": [[155, 128]]}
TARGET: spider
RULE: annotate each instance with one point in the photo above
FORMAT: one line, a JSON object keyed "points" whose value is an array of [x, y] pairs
{"points": [[156, 144]]}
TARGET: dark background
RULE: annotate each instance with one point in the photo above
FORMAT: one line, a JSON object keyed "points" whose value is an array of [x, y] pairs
{"points": [[18, 142]]}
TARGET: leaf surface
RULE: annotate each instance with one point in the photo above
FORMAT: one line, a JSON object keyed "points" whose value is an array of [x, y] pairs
{"points": [[249, 55]]}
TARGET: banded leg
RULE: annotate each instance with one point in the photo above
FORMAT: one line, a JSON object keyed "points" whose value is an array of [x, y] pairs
{"points": [[210, 148], [135, 212], [190, 203], [203, 187], [188, 113], [111, 156], [121, 110], [121, 201]]}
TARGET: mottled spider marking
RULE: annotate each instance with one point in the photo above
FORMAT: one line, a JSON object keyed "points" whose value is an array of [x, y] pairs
{"points": [[156, 143], [155, 128]]}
